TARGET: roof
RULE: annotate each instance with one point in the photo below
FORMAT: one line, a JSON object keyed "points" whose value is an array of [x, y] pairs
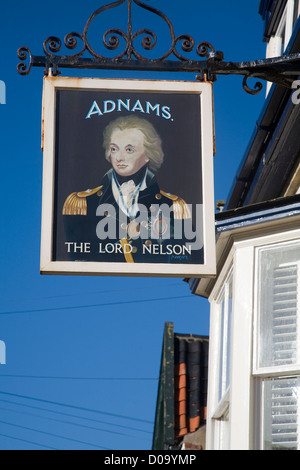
{"points": [[269, 173], [271, 12], [190, 373], [182, 391], [265, 170]]}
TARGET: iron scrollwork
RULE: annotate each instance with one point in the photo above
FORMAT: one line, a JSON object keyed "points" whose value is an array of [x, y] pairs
{"points": [[281, 70], [111, 41], [23, 54]]}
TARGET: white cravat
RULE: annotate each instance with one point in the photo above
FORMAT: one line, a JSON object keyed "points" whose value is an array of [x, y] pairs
{"points": [[127, 195], [128, 189]]}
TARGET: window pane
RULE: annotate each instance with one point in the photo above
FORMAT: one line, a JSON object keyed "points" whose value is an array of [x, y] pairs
{"points": [[225, 315], [281, 403], [279, 305], [282, 41], [221, 361], [229, 318], [296, 11]]}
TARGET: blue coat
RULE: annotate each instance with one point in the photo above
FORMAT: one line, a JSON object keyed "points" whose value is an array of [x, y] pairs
{"points": [[146, 238]]}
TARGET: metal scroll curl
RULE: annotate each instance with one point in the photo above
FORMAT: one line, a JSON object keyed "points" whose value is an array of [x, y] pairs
{"points": [[257, 87], [111, 38], [187, 45], [23, 67], [204, 49], [150, 41], [52, 45], [72, 43]]}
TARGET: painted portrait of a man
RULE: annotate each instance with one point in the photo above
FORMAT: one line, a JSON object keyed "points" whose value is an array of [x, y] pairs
{"points": [[128, 217]]}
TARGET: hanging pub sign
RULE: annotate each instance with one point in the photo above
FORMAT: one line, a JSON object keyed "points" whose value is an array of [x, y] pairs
{"points": [[128, 178]]}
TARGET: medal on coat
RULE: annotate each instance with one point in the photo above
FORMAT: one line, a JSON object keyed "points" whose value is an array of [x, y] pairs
{"points": [[160, 226], [133, 229]]}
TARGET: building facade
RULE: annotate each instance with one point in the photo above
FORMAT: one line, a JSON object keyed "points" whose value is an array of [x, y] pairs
{"points": [[254, 360]]}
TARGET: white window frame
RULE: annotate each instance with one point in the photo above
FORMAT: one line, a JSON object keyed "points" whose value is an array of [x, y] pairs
{"points": [[224, 336], [278, 43], [222, 425], [221, 416], [219, 405]]}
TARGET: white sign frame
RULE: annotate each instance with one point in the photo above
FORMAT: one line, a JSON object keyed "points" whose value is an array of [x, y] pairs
{"points": [[50, 266]]}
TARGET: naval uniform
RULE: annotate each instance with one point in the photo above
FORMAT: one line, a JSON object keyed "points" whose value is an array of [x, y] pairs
{"points": [[131, 241]]}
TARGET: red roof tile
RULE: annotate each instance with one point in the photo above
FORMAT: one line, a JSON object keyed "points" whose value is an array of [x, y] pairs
{"points": [[182, 391], [190, 382]]}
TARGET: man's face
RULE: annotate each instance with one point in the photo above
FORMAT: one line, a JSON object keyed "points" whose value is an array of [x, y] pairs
{"points": [[127, 153]]}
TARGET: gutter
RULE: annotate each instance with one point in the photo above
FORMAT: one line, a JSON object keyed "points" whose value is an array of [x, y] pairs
{"points": [[249, 217]]}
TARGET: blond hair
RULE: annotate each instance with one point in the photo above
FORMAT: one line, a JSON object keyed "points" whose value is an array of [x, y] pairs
{"points": [[152, 141]]}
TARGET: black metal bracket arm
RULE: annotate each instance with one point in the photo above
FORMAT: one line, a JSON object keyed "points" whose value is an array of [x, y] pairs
{"points": [[282, 70]]}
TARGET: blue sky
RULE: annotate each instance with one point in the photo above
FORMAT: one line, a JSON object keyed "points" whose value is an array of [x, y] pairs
{"points": [[83, 353]]}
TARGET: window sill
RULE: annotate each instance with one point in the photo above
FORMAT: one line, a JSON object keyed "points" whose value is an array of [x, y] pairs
{"points": [[223, 405]]}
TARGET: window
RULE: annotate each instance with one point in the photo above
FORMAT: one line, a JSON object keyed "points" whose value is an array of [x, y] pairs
{"points": [[254, 353], [279, 42], [296, 11], [278, 345], [281, 413], [279, 306], [221, 416], [281, 37]]}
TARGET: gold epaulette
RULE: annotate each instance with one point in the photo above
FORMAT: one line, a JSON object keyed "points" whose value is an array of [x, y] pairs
{"points": [[75, 204], [180, 207]]}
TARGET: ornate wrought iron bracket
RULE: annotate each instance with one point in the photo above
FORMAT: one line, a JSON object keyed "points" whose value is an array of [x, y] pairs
{"points": [[281, 70]]}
